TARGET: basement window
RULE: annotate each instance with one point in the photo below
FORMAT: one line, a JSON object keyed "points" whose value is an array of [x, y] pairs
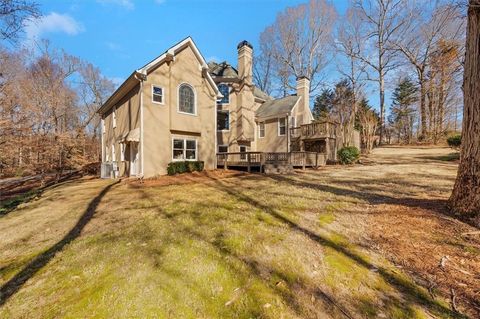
{"points": [[184, 149]]}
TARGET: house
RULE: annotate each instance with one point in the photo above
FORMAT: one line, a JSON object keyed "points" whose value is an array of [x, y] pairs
{"points": [[177, 107]]}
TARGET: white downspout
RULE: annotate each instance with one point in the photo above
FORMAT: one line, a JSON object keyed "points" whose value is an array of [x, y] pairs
{"points": [[141, 79]]}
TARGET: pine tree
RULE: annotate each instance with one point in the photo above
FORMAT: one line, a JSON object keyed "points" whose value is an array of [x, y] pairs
{"points": [[402, 110], [323, 105]]}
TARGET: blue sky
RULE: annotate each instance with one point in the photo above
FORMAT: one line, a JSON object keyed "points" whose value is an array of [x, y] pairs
{"points": [[121, 35]]}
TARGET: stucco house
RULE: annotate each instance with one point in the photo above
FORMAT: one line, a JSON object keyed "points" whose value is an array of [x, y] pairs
{"points": [[177, 107]]}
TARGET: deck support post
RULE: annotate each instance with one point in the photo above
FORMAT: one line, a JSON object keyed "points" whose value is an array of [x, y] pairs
{"points": [[225, 159], [249, 169], [304, 159], [316, 160]]}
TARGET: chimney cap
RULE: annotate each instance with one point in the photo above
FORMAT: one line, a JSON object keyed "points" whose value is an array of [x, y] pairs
{"points": [[301, 77], [244, 43]]}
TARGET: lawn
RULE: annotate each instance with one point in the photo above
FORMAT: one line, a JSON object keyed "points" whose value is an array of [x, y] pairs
{"points": [[364, 241]]}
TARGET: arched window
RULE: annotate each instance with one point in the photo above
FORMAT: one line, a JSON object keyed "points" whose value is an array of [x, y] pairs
{"points": [[186, 99], [224, 89]]}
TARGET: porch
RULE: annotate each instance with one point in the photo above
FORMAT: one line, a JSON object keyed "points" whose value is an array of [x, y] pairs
{"points": [[260, 160]]}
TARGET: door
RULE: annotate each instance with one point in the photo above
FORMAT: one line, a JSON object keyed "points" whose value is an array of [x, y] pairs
{"points": [[134, 162]]}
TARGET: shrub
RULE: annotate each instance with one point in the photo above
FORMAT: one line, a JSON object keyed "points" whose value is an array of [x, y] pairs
{"points": [[348, 155], [182, 167], [454, 141]]}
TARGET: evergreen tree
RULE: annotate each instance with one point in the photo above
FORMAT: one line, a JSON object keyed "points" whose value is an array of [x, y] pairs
{"points": [[402, 111], [323, 104]]}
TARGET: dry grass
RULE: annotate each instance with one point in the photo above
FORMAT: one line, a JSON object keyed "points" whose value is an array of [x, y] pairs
{"points": [[360, 241]]}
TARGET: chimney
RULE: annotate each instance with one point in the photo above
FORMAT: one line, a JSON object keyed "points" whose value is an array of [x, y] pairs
{"points": [[303, 90], [245, 61]]}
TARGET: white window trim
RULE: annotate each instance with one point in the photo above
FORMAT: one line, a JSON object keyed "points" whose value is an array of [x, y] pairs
{"points": [[228, 94], [222, 145], [184, 159], [278, 131], [114, 117], [194, 100], [163, 94], [264, 129], [228, 112]]}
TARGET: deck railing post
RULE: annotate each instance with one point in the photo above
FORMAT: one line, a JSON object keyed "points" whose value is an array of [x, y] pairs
{"points": [[248, 164], [304, 159], [225, 160]]}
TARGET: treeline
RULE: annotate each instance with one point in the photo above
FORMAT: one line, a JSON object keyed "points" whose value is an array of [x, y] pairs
{"points": [[48, 100], [410, 50]]}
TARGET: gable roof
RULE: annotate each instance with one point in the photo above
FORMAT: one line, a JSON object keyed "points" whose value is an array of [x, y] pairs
{"points": [[142, 72], [278, 107]]}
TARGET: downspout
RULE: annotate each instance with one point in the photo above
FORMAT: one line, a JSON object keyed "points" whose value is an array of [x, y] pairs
{"points": [[141, 77], [288, 132]]}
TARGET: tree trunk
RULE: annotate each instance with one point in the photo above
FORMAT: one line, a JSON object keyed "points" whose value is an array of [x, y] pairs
{"points": [[382, 103], [423, 113], [465, 198]]}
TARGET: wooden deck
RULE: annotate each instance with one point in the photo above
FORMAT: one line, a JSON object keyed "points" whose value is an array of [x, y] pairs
{"points": [[260, 159]]}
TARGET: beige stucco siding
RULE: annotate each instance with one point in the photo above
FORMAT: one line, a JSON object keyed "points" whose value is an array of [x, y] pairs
{"points": [[163, 121], [127, 114], [272, 142]]}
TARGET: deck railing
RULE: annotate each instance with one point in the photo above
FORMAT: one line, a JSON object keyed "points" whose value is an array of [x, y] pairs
{"points": [[314, 130], [259, 159]]}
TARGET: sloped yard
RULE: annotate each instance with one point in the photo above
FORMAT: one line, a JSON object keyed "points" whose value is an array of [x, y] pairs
{"points": [[365, 241]]}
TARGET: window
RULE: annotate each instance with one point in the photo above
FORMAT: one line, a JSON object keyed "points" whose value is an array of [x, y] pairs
{"points": [[157, 94], [113, 153], [186, 99], [225, 90], [114, 118], [222, 148], [122, 151], [223, 120], [281, 127], [184, 149], [261, 129]]}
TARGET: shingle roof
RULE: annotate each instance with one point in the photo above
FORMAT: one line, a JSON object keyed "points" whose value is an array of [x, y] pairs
{"points": [[223, 70], [277, 107]]}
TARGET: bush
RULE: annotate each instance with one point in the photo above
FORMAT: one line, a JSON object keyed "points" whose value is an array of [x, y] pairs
{"points": [[454, 141], [183, 167], [348, 155]]}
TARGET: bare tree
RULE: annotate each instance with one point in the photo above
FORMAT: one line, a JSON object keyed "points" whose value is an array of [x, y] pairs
{"points": [[465, 198], [298, 41], [349, 44], [13, 16], [382, 19], [419, 38]]}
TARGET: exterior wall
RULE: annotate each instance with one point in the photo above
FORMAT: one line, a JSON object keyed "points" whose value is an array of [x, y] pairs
{"points": [[242, 119], [272, 142], [163, 121], [127, 113]]}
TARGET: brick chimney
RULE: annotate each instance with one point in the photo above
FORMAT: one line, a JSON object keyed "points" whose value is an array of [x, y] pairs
{"points": [[303, 90], [245, 61]]}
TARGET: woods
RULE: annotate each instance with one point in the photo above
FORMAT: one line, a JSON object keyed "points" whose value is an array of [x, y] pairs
{"points": [[48, 100]]}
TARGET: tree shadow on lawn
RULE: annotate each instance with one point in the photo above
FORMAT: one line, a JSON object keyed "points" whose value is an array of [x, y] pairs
{"points": [[12, 286], [411, 292]]}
